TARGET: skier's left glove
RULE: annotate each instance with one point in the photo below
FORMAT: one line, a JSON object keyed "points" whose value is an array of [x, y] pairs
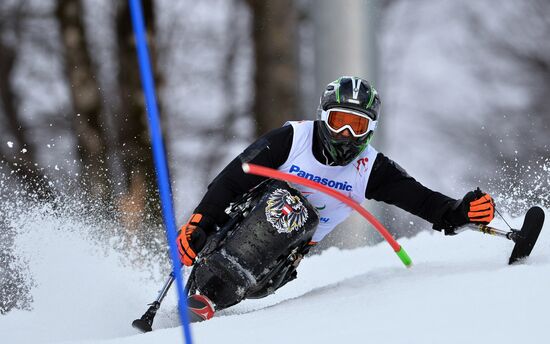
{"points": [[475, 207], [480, 207], [192, 237]]}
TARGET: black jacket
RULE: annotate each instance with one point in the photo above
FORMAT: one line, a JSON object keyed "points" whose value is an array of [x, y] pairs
{"points": [[388, 182]]}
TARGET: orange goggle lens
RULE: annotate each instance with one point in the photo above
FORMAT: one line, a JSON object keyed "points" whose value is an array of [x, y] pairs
{"points": [[339, 119]]}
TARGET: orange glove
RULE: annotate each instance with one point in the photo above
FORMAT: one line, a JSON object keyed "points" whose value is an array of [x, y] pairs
{"points": [[191, 239], [476, 206], [481, 207]]}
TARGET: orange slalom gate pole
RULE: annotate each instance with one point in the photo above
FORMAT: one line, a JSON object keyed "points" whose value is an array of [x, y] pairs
{"points": [[271, 173]]}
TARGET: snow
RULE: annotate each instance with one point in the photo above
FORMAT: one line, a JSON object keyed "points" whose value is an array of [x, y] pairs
{"points": [[459, 290]]}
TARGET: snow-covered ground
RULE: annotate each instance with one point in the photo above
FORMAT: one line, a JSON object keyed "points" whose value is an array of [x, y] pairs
{"points": [[460, 290]]}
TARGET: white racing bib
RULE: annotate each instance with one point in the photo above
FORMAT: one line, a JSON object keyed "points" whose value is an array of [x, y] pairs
{"points": [[350, 180]]}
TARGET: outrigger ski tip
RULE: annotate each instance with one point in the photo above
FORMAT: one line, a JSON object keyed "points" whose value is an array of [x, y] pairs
{"points": [[145, 323], [142, 325], [525, 238], [528, 235]]}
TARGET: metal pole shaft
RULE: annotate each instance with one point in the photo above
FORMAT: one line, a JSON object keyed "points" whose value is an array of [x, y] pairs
{"points": [[165, 288], [492, 231]]}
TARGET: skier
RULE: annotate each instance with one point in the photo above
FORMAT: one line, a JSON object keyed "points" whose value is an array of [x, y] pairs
{"points": [[333, 150]]}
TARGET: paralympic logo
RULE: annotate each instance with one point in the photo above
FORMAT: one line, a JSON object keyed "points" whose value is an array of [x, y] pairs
{"points": [[322, 219], [307, 194]]}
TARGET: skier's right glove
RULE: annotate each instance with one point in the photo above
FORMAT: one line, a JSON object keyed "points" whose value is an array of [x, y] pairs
{"points": [[192, 237], [475, 207]]}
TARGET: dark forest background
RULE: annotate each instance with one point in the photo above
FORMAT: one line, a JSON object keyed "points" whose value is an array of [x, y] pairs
{"points": [[464, 88]]}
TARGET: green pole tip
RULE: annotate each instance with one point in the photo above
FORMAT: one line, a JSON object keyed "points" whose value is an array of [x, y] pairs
{"points": [[404, 257]]}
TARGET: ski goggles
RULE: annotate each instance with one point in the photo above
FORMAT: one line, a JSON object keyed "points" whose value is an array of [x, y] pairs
{"points": [[340, 119]]}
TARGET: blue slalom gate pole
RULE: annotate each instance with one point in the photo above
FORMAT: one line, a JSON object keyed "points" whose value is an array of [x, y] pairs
{"points": [[159, 156]]}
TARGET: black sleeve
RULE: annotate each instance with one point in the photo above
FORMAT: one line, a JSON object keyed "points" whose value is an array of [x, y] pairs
{"points": [[391, 184], [270, 150]]}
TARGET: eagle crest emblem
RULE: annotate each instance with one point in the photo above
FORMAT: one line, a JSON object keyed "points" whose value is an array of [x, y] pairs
{"points": [[285, 212]]}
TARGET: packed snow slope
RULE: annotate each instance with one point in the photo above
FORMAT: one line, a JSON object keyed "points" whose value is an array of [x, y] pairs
{"points": [[460, 290]]}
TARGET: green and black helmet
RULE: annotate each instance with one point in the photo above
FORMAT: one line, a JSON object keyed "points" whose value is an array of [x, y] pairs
{"points": [[349, 109]]}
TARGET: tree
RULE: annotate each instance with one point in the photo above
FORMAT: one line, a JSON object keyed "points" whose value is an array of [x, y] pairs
{"points": [[20, 157], [135, 154], [86, 112], [274, 33]]}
